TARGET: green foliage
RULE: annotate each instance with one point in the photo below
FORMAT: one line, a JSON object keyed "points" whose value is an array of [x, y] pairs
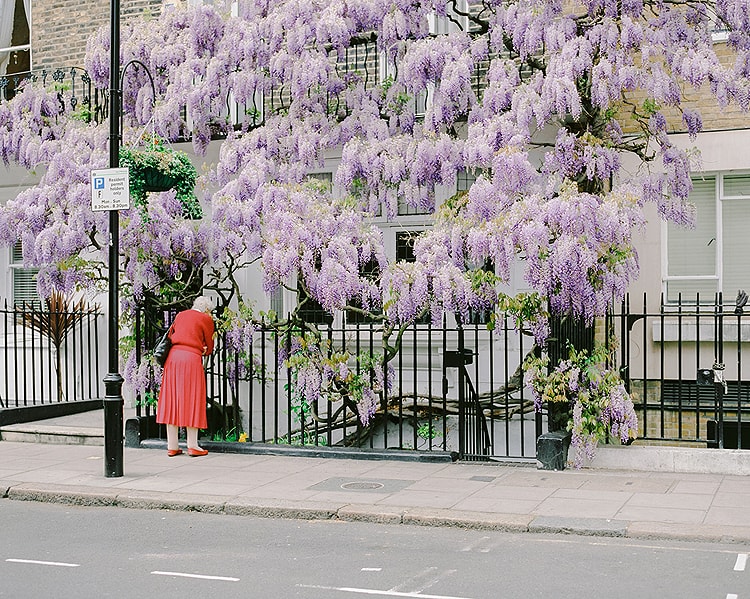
{"points": [[601, 406], [148, 400], [428, 430], [650, 106], [451, 208], [156, 167], [230, 436], [297, 439]]}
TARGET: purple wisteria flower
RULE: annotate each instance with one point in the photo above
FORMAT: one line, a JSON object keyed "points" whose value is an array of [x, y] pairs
{"points": [[526, 99]]}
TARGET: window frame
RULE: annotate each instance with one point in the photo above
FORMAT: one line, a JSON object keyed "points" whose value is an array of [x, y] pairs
{"points": [[16, 267], [14, 49], [720, 202]]}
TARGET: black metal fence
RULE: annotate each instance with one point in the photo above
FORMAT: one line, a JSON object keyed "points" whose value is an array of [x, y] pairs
{"points": [[450, 388], [686, 367], [49, 356], [460, 388], [74, 88]]}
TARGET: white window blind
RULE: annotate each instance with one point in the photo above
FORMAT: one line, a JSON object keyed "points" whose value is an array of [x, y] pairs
{"points": [[735, 216], [24, 279], [691, 253], [736, 186]]}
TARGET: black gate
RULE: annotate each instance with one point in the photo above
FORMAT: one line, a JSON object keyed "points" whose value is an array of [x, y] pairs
{"points": [[474, 442]]}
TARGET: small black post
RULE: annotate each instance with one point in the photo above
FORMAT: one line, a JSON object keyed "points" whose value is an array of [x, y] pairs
{"points": [[113, 402], [719, 390], [720, 385]]}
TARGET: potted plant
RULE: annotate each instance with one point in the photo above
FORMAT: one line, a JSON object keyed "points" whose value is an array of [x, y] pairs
{"points": [[156, 167]]}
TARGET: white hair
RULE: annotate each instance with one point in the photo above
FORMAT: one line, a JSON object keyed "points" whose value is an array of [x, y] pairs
{"points": [[203, 304]]}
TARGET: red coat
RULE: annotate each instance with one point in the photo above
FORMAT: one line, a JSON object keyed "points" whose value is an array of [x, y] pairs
{"points": [[182, 398]]}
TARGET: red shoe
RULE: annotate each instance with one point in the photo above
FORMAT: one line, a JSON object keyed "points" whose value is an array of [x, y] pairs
{"points": [[173, 452], [195, 452]]}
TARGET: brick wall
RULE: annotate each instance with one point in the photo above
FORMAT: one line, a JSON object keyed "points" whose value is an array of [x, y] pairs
{"points": [[61, 28], [715, 118]]}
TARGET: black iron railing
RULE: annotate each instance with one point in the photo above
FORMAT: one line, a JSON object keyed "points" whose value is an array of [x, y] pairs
{"points": [[49, 356], [477, 409], [684, 366], [361, 64], [461, 389]]}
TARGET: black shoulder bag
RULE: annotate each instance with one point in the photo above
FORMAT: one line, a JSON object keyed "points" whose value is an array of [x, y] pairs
{"points": [[162, 347]]}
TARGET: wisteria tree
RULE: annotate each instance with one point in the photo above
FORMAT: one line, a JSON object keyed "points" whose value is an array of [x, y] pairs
{"points": [[541, 101]]}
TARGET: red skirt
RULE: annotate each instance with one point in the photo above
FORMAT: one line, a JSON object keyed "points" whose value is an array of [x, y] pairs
{"points": [[182, 398]]}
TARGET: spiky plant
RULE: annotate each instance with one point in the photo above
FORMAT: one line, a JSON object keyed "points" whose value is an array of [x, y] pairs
{"points": [[61, 316]]}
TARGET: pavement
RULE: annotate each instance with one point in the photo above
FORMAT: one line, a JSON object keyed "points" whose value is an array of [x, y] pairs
{"points": [[709, 503]]}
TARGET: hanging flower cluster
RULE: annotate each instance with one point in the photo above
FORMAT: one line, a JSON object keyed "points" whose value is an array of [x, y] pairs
{"points": [[322, 375], [601, 407], [527, 101]]}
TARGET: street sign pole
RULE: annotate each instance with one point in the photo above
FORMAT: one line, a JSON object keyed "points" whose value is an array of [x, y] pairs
{"points": [[113, 402]]}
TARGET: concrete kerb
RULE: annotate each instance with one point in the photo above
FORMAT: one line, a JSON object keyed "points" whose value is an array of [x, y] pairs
{"points": [[66, 494], [282, 508], [464, 519], [590, 527], [299, 510], [706, 533]]}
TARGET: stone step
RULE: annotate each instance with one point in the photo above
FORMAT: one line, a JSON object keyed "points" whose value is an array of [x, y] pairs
{"points": [[33, 432]]}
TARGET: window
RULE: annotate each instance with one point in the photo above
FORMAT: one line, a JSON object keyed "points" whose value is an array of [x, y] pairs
{"points": [[15, 45], [405, 246], [276, 302], [712, 257], [310, 310], [24, 279], [405, 251], [370, 271], [324, 179], [405, 209], [464, 180]]}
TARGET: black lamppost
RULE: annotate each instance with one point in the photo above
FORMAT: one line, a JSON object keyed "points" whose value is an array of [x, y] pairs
{"points": [[113, 402]]}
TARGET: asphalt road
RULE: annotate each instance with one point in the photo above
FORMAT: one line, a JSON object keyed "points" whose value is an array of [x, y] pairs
{"points": [[56, 551]]}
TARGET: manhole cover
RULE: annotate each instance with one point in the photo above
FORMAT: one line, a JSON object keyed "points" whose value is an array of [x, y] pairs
{"points": [[362, 486]]}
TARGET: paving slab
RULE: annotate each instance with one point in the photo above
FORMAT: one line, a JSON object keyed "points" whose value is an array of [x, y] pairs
{"points": [[492, 496]]}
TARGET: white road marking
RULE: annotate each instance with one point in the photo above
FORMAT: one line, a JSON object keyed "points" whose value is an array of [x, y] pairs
{"points": [[41, 563], [475, 544], [731, 596], [201, 576], [371, 569], [434, 581], [741, 562], [427, 572], [377, 592]]}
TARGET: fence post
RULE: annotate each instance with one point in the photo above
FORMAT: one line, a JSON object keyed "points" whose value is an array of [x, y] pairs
{"points": [[719, 381]]}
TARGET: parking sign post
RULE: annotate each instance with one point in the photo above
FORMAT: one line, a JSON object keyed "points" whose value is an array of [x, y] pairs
{"points": [[107, 188]]}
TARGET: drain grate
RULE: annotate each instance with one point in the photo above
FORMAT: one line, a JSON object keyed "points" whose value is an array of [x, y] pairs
{"points": [[367, 485], [362, 486]]}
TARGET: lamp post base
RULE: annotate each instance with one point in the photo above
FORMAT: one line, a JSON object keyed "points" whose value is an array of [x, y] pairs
{"points": [[113, 425]]}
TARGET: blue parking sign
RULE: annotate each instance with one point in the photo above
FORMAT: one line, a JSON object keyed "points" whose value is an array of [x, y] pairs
{"points": [[98, 182]]}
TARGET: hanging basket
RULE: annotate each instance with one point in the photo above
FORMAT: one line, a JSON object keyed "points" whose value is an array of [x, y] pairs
{"points": [[156, 180], [155, 168]]}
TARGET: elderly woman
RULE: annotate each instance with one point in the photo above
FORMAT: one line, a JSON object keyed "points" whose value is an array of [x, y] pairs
{"points": [[182, 398]]}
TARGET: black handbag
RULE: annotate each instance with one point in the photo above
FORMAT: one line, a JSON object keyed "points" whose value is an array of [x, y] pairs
{"points": [[162, 347]]}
